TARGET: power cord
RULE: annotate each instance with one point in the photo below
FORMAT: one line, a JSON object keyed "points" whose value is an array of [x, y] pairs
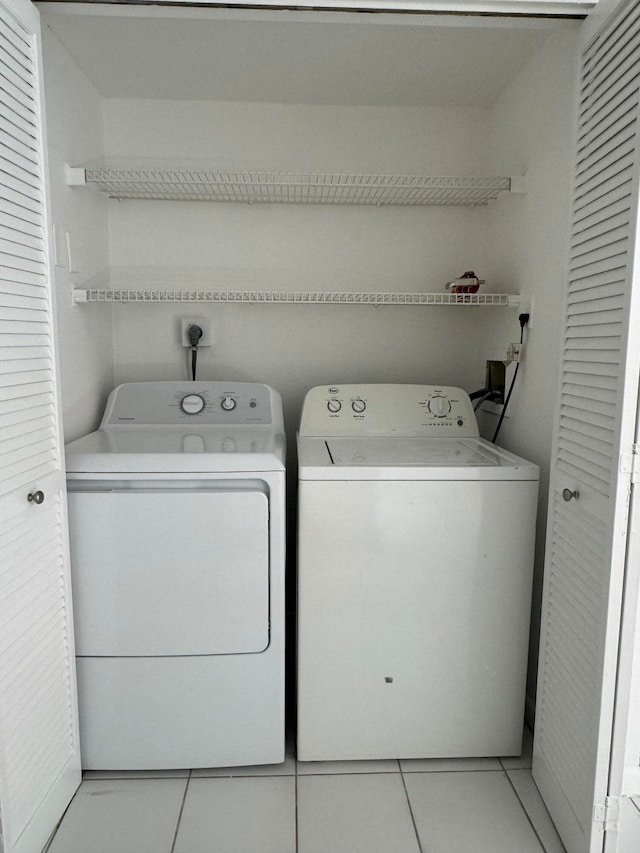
{"points": [[194, 333], [523, 319]]}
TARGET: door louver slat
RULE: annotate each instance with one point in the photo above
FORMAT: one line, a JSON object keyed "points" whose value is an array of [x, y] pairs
{"points": [[588, 430], [617, 123], [14, 115], [15, 279], [19, 193], [601, 107], [14, 67], [591, 312], [602, 235], [613, 47], [15, 131], [601, 214], [603, 290], [10, 217], [589, 380], [620, 123], [620, 195], [604, 99]]}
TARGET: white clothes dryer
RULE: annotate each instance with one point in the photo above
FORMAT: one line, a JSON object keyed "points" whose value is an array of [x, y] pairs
{"points": [[176, 516], [415, 559]]}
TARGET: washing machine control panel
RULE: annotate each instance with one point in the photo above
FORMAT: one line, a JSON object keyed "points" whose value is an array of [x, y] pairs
{"points": [[181, 403], [388, 410]]}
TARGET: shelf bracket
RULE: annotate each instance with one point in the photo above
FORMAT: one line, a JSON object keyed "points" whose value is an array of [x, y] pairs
{"points": [[518, 185], [75, 176]]}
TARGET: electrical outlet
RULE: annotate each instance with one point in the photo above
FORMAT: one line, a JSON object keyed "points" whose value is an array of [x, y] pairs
{"points": [[205, 325], [514, 352]]}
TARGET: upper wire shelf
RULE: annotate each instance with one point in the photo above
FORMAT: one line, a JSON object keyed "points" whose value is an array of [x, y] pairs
{"points": [[290, 187], [293, 297]]}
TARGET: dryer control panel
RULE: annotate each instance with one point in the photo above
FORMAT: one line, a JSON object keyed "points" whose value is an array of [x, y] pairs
{"points": [[183, 403], [388, 410]]}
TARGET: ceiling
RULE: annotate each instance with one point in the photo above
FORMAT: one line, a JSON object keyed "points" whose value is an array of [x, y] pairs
{"points": [[303, 57]]}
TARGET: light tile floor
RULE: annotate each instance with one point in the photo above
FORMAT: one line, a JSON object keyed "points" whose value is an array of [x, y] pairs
{"points": [[421, 806]]}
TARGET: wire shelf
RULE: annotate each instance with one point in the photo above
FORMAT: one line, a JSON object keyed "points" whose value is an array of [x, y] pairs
{"points": [[291, 187], [293, 297]]}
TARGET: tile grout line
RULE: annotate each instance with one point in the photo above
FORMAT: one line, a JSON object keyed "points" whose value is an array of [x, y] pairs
{"points": [[184, 799], [453, 770], [406, 793], [524, 809]]}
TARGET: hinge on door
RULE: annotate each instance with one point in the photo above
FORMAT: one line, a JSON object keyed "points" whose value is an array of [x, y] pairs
{"points": [[630, 463], [608, 813]]}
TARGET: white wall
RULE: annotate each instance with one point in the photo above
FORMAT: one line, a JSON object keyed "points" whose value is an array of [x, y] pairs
{"points": [[302, 247], [533, 132], [74, 127]]}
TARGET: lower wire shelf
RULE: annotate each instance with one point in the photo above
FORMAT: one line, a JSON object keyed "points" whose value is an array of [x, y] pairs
{"points": [[167, 297]]}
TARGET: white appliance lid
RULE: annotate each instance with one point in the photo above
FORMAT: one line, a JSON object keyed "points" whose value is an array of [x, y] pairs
{"points": [[160, 449], [409, 459], [410, 451]]}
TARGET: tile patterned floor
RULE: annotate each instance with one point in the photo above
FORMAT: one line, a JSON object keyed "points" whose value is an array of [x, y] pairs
{"points": [[421, 806]]}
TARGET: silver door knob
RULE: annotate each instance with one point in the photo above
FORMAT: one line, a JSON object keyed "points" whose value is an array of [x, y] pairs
{"points": [[568, 494], [36, 497]]}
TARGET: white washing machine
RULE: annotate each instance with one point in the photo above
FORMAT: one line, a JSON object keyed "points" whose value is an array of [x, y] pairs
{"points": [[415, 560], [176, 515]]}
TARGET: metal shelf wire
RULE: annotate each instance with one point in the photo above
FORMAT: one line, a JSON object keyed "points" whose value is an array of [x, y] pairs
{"points": [[293, 297], [290, 187]]}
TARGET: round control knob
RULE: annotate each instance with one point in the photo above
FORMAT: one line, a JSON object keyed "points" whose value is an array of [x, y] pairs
{"points": [[358, 406], [439, 406], [228, 404], [192, 404], [334, 406]]}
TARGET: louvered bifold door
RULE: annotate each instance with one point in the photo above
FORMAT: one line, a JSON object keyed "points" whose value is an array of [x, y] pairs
{"points": [[39, 757], [584, 567]]}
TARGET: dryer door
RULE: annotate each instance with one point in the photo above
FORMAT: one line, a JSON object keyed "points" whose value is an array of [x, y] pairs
{"points": [[169, 571]]}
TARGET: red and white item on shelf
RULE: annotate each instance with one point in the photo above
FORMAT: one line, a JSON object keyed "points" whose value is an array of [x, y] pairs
{"points": [[468, 282]]}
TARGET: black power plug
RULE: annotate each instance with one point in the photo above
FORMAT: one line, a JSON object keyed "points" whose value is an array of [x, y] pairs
{"points": [[194, 333]]}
